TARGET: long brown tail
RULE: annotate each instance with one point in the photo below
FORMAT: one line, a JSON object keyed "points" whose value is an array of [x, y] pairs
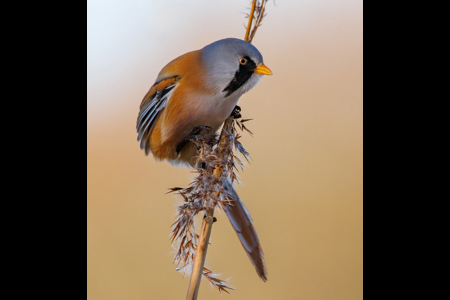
{"points": [[242, 223]]}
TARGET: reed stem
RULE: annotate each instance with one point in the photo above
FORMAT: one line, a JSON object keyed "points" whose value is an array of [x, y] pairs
{"points": [[202, 247], [200, 256], [250, 20]]}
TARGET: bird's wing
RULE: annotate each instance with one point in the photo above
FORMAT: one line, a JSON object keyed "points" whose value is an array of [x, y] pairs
{"points": [[242, 223], [153, 103]]}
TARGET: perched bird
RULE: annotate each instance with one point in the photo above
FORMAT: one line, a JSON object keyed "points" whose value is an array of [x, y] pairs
{"points": [[202, 88]]}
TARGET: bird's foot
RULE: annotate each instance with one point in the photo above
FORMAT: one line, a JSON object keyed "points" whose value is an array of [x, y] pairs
{"points": [[236, 113], [196, 134], [199, 131], [214, 218]]}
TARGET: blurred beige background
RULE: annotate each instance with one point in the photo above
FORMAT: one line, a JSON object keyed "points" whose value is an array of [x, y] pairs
{"points": [[304, 187]]}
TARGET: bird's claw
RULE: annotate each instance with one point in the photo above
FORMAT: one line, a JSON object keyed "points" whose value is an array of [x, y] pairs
{"points": [[197, 130], [236, 112], [196, 134]]}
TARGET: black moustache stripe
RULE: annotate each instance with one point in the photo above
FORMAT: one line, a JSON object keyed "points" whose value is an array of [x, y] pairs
{"points": [[241, 77]]}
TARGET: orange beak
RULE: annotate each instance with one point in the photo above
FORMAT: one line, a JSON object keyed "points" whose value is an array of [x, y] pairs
{"points": [[263, 70]]}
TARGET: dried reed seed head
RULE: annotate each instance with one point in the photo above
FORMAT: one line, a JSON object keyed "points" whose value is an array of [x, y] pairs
{"points": [[206, 191]]}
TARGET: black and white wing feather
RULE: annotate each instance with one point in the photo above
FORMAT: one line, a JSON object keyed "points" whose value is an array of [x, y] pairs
{"points": [[151, 108]]}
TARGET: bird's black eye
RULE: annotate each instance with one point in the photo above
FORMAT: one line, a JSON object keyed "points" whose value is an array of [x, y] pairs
{"points": [[243, 61]]}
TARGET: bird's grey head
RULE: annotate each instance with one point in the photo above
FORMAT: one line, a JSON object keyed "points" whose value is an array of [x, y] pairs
{"points": [[231, 65]]}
